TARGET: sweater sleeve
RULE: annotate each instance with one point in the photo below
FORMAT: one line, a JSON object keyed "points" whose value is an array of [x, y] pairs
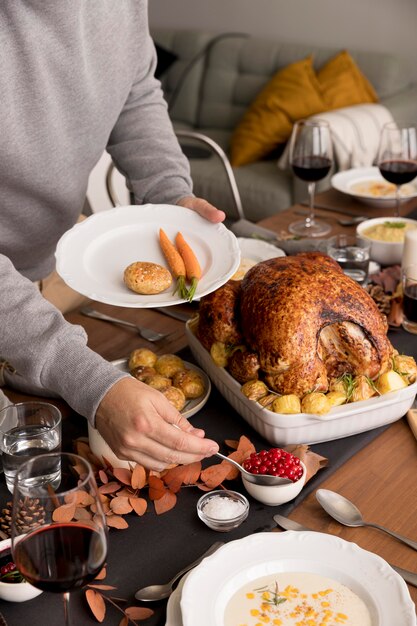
{"points": [[46, 350], [143, 144]]}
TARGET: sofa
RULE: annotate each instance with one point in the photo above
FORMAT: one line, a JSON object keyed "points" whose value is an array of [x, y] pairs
{"points": [[211, 81]]}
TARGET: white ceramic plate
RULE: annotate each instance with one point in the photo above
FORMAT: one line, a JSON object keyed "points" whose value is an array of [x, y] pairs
{"points": [[209, 587], [347, 180], [279, 429], [92, 256], [254, 251], [193, 405]]}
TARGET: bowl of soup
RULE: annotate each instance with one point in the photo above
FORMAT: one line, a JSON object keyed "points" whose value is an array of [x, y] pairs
{"points": [[386, 235]]}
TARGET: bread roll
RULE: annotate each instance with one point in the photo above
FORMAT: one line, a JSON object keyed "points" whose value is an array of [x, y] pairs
{"points": [[147, 278]]}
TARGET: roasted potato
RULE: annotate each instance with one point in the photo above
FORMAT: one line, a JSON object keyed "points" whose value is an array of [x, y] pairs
{"points": [[219, 354], [142, 372], [266, 401], [289, 404], [157, 381], [141, 356], [315, 402], [336, 398], [362, 389], [254, 389], [169, 364], [390, 381], [175, 396], [147, 278], [190, 382], [244, 365], [406, 367]]}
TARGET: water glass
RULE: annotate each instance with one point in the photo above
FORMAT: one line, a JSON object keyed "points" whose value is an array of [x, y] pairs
{"points": [[409, 283], [28, 429], [352, 254]]}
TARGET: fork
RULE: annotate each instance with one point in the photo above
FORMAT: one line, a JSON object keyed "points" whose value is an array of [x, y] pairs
{"points": [[145, 333]]}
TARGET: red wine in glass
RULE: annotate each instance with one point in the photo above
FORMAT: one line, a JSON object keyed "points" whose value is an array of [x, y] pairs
{"points": [[311, 168], [398, 172], [61, 557]]}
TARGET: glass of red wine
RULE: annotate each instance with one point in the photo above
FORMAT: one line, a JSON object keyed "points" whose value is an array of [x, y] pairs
{"points": [[397, 156], [311, 157], [67, 545]]}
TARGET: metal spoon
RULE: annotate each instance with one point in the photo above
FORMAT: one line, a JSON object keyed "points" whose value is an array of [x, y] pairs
{"points": [[153, 593], [347, 513], [257, 479]]}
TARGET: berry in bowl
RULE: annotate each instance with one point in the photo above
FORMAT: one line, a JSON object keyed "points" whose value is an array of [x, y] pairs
{"points": [[275, 462], [13, 587]]}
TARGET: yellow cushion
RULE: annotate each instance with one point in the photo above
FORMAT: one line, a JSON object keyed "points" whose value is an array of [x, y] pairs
{"points": [[293, 93], [343, 83]]}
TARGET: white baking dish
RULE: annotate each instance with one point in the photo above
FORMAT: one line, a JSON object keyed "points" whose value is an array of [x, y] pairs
{"points": [[278, 429]]}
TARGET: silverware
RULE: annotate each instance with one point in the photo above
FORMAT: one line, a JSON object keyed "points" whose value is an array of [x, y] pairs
{"points": [[145, 333], [257, 479], [289, 524], [182, 316], [345, 512], [324, 207], [153, 593], [343, 222]]}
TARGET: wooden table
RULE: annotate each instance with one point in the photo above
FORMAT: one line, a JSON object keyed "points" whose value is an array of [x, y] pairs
{"points": [[380, 479]]}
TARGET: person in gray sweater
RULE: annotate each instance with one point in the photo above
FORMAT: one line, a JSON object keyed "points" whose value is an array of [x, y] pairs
{"points": [[77, 78]]}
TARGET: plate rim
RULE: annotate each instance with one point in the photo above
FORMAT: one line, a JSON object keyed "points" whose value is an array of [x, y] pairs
{"points": [[229, 559], [82, 236], [363, 172]]}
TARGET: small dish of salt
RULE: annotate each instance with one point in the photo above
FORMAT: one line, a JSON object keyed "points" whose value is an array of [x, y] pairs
{"points": [[223, 510]]}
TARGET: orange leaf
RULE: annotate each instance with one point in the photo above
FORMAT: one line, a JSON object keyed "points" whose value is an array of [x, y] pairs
{"points": [[182, 474], [81, 513], [111, 487], [156, 488], [166, 503], [64, 513], [121, 506], [124, 621], [139, 505], [102, 587], [214, 475], [138, 612], [96, 604], [102, 574], [138, 479], [231, 443], [245, 447], [115, 521], [123, 474], [103, 477]]}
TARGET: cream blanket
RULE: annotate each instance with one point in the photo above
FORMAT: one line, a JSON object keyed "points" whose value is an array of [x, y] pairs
{"points": [[355, 131]]}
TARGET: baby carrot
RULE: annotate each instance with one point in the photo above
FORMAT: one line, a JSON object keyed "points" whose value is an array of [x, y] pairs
{"points": [[175, 262], [192, 266]]}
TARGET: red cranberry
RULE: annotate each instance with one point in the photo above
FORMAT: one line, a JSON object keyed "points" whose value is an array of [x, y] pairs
{"points": [[275, 462]]}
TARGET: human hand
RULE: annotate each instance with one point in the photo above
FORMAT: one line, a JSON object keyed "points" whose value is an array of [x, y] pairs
{"points": [[203, 208], [138, 423]]}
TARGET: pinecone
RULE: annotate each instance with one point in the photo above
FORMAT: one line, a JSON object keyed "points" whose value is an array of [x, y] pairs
{"points": [[381, 299], [31, 515]]}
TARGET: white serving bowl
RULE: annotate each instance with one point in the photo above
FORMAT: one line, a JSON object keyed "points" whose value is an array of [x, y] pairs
{"points": [[383, 252], [15, 592], [273, 495]]}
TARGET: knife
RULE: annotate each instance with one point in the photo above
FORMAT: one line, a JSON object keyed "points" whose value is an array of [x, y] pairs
{"points": [[177, 315], [324, 207], [289, 524]]}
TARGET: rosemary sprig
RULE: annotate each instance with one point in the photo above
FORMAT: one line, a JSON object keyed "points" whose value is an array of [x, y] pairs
{"points": [[275, 599], [349, 384]]}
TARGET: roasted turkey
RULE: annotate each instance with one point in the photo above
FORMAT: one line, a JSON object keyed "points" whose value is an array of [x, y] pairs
{"points": [[304, 321]]}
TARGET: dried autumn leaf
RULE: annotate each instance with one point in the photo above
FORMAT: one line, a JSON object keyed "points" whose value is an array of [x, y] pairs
{"points": [[96, 604], [124, 621], [110, 487], [115, 521], [102, 574], [156, 488], [82, 514], [63, 513], [166, 503], [139, 505], [123, 474], [138, 479], [102, 587], [182, 474], [245, 447], [103, 477], [231, 443], [214, 475], [138, 612], [79, 498], [313, 461], [120, 506]]}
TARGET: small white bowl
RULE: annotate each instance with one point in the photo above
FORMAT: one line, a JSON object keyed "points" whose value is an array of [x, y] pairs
{"points": [[273, 495], [383, 252], [15, 592], [219, 523], [101, 450]]}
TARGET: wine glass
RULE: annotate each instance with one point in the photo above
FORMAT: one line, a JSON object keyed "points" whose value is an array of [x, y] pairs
{"points": [[60, 552], [397, 156], [311, 157]]}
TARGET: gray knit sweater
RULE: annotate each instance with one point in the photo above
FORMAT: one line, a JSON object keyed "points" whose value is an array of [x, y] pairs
{"points": [[76, 78]]}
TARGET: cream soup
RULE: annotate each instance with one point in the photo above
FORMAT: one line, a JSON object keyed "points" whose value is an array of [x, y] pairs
{"points": [[392, 232], [294, 598], [380, 189]]}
